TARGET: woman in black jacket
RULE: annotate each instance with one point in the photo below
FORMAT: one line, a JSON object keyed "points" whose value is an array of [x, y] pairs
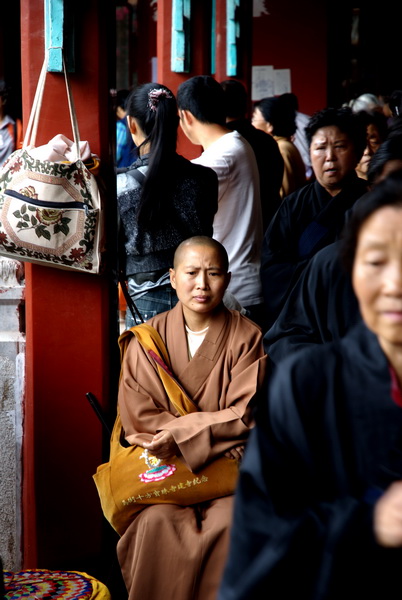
{"points": [[163, 199]]}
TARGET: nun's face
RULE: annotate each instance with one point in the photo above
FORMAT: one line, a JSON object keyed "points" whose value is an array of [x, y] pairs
{"points": [[377, 276]]}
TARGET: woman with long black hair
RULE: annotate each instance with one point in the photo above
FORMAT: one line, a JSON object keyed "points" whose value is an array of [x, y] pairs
{"points": [[163, 199]]}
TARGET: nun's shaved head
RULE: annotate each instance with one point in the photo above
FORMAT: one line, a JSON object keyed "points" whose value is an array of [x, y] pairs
{"points": [[201, 240]]}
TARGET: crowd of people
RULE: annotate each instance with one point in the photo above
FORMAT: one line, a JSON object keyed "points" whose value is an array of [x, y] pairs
{"points": [[274, 277]]}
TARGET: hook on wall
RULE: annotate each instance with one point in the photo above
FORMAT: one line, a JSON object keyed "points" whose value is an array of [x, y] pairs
{"points": [[232, 37], [59, 35], [180, 56]]}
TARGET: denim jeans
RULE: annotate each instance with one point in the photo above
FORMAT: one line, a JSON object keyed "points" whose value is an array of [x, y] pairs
{"points": [[152, 303]]}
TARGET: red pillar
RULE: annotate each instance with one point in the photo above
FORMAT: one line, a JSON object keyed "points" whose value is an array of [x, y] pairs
{"points": [[199, 57], [69, 349], [200, 51]]}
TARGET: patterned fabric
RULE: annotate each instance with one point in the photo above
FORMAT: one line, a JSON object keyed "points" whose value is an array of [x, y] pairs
{"points": [[36, 584], [49, 213]]}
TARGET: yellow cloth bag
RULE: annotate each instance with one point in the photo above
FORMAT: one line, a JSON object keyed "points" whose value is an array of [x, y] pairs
{"points": [[43, 584], [133, 479]]}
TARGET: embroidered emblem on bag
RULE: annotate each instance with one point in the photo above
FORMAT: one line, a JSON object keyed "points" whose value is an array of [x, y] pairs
{"points": [[156, 471]]}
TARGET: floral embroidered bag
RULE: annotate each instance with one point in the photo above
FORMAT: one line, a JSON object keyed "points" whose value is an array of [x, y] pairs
{"points": [[49, 198], [134, 479]]}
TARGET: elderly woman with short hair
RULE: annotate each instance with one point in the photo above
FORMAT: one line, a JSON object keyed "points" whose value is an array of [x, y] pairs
{"points": [[313, 217]]}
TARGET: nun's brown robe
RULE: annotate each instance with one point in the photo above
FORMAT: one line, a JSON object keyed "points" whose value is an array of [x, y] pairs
{"points": [[173, 552]]}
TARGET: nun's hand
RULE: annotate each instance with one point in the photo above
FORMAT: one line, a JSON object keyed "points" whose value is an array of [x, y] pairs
{"points": [[235, 453], [163, 445]]}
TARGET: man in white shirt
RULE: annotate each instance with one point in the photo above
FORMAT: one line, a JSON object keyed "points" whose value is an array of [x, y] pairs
{"points": [[238, 222]]}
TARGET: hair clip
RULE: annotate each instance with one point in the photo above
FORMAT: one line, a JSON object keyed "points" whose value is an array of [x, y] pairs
{"points": [[155, 95]]}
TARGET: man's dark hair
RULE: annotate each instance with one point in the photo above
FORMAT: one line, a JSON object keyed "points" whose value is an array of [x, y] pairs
{"points": [[291, 99], [277, 111], [376, 118], [204, 98], [395, 103], [235, 98], [346, 121], [121, 98], [390, 149]]}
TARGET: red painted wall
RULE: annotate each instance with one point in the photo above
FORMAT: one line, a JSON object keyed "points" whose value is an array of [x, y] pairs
{"points": [[200, 58], [144, 48], [289, 37], [69, 350], [294, 36], [200, 51]]}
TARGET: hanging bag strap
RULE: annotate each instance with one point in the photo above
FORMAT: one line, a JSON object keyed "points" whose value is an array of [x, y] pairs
{"points": [[33, 121], [154, 346], [129, 301]]}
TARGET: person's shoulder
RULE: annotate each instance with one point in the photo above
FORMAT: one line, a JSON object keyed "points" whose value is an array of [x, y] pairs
{"points": [[302, 119], [126, 181], [356, 186], [245, 327], [306, 373], [309, 367], [251, 133], [7, 120], [237, 140], [308, 359], [239, 155], [327, 256], [264, 139], [362, 186], [122, 183], [298, 198], [230, 143], [287, 147], [361, 348], [120, 125], [193, 169]]}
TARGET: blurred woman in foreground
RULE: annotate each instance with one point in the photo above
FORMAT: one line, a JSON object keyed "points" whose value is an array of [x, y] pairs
{"points": [[318, 511]]}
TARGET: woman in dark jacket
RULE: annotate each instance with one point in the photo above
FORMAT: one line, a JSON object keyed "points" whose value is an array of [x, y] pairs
{"points": [[163, 199]]}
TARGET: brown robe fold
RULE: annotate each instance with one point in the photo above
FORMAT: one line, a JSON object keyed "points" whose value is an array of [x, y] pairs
{"points": [[179, 552]]}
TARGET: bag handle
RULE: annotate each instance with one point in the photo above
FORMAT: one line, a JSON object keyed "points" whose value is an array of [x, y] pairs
{"points": [[153, 344], [32, 127]]}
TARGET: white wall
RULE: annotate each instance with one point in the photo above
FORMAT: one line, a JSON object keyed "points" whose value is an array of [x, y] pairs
{"points": [[12, 367]]}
